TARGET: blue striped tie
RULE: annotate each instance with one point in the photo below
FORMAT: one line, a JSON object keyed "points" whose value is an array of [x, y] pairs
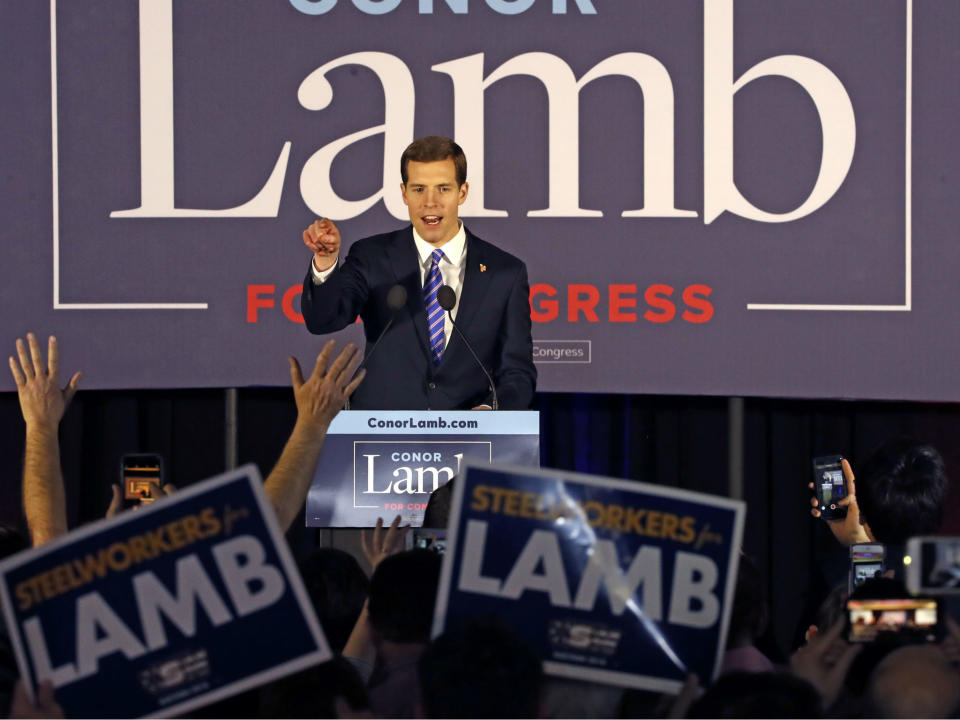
{"points": [[434, 311]]}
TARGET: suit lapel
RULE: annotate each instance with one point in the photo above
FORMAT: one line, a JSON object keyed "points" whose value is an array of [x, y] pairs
{"points": [[476, 281], [405, 263]]}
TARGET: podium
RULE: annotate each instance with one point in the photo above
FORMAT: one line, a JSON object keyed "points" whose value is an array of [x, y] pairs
{"points": [[383, 463]]}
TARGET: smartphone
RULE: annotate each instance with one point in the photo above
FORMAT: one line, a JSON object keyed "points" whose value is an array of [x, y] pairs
{"points": [[893, 621], [435, 540], [934, 565], [866, 561], [830, 486], [137, 471]]}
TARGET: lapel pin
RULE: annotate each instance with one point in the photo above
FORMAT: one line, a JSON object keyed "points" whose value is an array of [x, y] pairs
{"points": [[483, 268]]}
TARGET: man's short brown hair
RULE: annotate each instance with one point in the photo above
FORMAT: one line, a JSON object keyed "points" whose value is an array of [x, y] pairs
{"points": [[433, 149]]}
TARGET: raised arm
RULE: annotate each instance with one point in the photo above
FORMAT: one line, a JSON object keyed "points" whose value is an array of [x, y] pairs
{"points": [[43, 403], [322, 238], [319, 398]]}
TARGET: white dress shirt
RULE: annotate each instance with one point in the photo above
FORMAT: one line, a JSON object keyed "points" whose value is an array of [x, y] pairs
{"points": [[452, 268]]}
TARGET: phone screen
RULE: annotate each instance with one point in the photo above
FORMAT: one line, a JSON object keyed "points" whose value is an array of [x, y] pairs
{"points": [[434, 540], [866, 561], [940, 564], [830, 485], [892, 620], [138, 471]]}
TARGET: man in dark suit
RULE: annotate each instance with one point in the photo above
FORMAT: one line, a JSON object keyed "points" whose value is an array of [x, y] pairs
{"points": [[421, 363]]}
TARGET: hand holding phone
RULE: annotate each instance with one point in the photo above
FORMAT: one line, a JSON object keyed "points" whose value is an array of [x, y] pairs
{"points": [[830, 486], [846, 527], [139, 473]]}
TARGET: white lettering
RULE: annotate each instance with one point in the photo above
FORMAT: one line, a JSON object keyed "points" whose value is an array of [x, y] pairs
{"points": [[474, 545], [37, 644], [694, 577], [156, 130], [604, 566], [830, 98], [541, 548], [371, 475], [405, 483], [563, 93], [100, 632], [510, 7], [240, 577], [435, 476], [316, 93], [192, 585]]}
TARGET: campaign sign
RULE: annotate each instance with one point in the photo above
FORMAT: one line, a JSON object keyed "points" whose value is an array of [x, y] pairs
{"points": [[613, 581], [379, 463], [711, 196], [159, 611]]}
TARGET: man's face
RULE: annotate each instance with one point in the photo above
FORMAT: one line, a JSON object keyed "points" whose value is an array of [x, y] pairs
{"points": [[433, 199]]}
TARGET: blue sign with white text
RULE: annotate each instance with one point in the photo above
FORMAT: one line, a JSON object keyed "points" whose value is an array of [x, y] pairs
{"points": [[159, 611], [378, 464], [609, 580]]}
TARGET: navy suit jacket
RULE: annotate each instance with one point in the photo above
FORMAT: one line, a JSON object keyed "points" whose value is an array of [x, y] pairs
{"points": [[493, 313]]}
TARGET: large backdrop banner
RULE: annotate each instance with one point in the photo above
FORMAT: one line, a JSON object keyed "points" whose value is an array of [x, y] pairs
{"points": [[735, 197]]}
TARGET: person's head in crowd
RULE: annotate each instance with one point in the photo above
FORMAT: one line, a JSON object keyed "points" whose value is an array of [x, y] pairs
{"points": [[755, 695], [748, 617], [915, 681], [312, 693], [833, 607], [338, 588], [748, 621], [11, 541], [901, 491], [565, 697], [480, 669], [403, 591]]}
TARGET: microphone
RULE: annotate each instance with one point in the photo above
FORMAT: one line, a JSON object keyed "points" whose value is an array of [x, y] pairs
{"points": [[396, 299], [447, 299]]}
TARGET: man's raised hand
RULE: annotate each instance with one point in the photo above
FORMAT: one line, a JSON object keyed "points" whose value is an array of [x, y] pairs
{"points": [[42, 400], [321, 396], [383, 544], [323, 239]]}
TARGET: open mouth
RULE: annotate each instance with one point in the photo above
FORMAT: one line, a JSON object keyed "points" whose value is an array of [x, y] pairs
{"points": [[431, 220]]}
